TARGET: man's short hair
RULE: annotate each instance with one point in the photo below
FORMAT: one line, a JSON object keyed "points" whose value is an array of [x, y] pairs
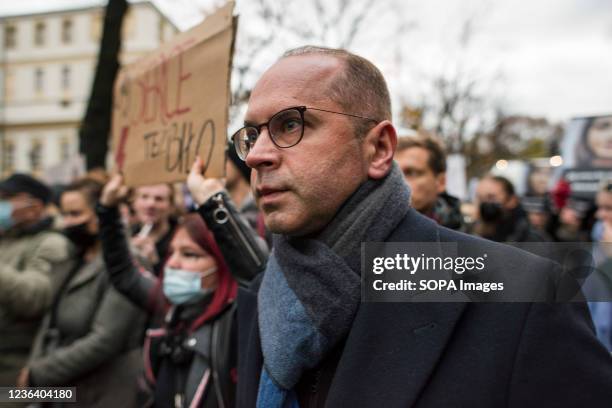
{"points": [[433, 145], [359, 89]]}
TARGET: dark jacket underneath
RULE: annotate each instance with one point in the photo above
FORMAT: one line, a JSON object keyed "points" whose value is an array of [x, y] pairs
{"points": [[449, 354], [447, 212], [179, 362]]}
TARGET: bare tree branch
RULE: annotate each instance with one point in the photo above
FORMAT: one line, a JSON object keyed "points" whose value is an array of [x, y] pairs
{"points": [[356, 24], [292, 22]]}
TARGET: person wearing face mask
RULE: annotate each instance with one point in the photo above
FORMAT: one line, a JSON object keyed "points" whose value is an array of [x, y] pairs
{"points": [[191, 359], [90, 338], [500, 216], [33, 257]]}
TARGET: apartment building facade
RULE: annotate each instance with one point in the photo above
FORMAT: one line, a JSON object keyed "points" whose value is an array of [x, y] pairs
{"points": [[47, 64]]}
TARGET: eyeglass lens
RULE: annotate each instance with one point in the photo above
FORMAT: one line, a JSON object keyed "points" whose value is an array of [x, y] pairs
{"points": [[285, 129]]}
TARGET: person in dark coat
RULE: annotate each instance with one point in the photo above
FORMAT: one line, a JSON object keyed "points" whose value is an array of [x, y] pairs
{"points": [[598, 287], [500, 216], [90, 338], [320, 142], [422, 159]]}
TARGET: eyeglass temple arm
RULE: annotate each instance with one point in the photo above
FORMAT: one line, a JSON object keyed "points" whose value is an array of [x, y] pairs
{"points": [[342, 113]]}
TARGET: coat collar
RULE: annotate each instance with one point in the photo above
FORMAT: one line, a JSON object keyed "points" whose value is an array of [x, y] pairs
{"points": [[45, 224], [87, 272]]}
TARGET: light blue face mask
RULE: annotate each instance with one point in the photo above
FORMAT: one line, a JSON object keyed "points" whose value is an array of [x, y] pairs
{"points": [[181, 286], [6, 215]]}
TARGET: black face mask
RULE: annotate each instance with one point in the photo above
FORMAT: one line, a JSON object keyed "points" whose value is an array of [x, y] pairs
{"points": [[491, 212], [80, 236]]}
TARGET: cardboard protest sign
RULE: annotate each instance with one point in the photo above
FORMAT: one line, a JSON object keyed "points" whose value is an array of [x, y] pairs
{"points": [[172, 105]]}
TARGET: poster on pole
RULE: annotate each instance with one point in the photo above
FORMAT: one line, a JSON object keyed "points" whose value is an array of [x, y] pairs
{"points": [[172, 105], [586, 149]]}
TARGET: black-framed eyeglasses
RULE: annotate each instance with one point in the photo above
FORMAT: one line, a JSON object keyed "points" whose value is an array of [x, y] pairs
{"points": [[286, 129]]}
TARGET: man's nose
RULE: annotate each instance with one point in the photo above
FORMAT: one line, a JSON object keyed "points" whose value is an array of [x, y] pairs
{"points": [[264, 152]]}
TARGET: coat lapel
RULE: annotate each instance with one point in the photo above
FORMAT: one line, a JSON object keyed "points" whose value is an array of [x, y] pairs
{"points": [[390, 353], [86, 273], [393, 348], [250, 357]]}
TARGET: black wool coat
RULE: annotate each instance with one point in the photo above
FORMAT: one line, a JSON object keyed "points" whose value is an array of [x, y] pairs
{"points": [[452, 354]]}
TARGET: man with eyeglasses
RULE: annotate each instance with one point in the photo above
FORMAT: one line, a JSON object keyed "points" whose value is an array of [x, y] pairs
{"points": [[33, 259], [319, 138]]}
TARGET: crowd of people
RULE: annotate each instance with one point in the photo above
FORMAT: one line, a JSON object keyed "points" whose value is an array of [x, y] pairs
{"points": [[245, 291]]}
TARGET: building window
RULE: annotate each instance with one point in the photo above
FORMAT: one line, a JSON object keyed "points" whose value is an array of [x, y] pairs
{"points": [[39, 33], [97, 20], [10, 36], [8, 156], [66, 31], [64, 149], [65, 77], [39, 79], [9, 85], [36, 156]]}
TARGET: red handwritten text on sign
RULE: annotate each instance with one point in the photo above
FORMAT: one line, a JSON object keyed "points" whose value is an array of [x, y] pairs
{"points": [[157, 94]]}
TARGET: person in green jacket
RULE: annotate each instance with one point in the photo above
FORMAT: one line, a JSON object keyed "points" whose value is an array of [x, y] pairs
{"points": [[32, 258]]}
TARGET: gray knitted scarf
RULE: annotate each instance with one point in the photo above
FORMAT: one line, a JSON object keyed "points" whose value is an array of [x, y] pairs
{"points": [[311, 289]]}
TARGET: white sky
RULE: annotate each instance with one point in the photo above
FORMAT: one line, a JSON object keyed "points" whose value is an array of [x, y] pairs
{"points": [[555, 56]]}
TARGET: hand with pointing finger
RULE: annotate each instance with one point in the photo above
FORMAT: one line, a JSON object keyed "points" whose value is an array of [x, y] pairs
{"points": [[114, 191], [201, 188]]}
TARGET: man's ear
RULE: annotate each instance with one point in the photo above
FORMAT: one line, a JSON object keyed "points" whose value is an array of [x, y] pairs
{"points": [[379, 147]]}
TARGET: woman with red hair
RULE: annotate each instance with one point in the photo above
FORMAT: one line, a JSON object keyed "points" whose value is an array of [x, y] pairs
{"points": [[190, 359]]}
